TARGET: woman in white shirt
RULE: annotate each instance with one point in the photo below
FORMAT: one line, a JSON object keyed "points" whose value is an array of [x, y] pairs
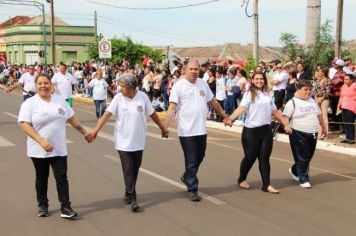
{"points": [[100, 87], [130, 107], [43, 118], [257, 140]]}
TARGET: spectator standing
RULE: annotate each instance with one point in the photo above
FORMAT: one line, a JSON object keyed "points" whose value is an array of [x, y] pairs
{"points": [[279, 83], [347, 104], [322, 88]]}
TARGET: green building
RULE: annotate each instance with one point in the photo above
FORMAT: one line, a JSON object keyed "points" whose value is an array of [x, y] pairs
{"points": [[21, 40]]}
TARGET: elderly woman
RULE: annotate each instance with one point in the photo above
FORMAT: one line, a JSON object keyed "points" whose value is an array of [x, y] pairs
{"points": [[302, 117], [43, 118], [100, 87], [130, 107]]}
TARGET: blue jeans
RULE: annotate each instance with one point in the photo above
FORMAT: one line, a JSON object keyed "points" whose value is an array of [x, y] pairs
{"points": [[26, 96], [303, 147], [100, 107], [229, 104], [194, 151]]}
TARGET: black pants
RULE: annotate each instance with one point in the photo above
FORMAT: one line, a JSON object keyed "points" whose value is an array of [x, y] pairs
{"points": [[303, 147], [131, 163], [194, 152], [349, 117], [279, 96], [219, 118], [257, 143], [59, 167], [334, 116]]}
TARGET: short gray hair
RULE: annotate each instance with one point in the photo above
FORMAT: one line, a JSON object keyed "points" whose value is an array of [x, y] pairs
{"points": [[130, 80]]}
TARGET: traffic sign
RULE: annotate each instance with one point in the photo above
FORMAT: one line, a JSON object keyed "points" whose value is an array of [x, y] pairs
{"points": [[104, 49]]}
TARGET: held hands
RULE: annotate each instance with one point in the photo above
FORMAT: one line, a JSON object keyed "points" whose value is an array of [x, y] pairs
{"points": [[228, 122], [288, 129], [90, 137], [165, 132]]}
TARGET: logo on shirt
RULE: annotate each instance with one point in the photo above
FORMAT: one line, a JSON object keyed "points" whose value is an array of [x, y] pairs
{"points": [[202, 93], [61, 111], [139, 108]]}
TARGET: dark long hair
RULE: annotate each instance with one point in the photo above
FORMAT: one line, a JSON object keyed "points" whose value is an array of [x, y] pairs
{"points": [[254, 89]]}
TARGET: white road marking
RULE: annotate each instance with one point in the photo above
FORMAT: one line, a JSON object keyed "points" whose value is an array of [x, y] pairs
{"points": [[69, 141], [172, 182], [9, 114], [5, 143]]}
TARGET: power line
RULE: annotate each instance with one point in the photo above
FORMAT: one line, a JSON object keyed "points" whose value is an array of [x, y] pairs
{"points": [[153, 8], [150, 32]]}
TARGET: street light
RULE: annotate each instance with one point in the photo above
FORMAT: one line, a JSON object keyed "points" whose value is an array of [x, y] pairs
{"points": [[53, 33], [40, 6]]}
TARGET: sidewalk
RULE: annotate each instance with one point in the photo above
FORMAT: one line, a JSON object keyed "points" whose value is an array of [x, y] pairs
{"points": [[332, 144]]}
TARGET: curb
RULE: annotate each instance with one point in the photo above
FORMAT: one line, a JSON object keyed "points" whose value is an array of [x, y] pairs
{"points": [[82, 99], [321, 145]]}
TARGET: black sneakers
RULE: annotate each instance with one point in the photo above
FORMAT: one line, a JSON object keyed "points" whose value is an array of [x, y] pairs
{"points": [[67, 212], [193, 196], [42, 211], [134, 205]]}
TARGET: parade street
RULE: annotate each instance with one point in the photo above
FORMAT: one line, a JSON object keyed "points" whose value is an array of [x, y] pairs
{"points": [[97, 187]]}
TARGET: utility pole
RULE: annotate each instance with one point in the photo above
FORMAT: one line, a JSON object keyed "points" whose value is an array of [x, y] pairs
{"points": [[53, 33], [338, 40], [44, 38], [255, 31], [312, 21], [95, 24]]}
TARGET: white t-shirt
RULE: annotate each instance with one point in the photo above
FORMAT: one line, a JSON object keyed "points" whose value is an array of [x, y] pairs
{"points": [[304, 115], [191, 100], [220, 89], [283, 79], [63, 84], [99, 88], [259, 112], [48, 119], [28, 82], [131, 123]]}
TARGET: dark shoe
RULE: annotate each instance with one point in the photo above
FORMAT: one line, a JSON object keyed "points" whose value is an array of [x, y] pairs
{"points": [[183, 180], [127, 199], [351, 142], [134, 206], [42, 211], [344, 141], [67, 212], [193, 196]]}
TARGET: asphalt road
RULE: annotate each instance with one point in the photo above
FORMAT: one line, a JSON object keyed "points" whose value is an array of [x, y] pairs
{"points": [[96, 188]]}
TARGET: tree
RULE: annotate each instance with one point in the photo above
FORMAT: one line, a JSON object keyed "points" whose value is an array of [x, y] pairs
{"points": [[319, 53], [251, 64], [291, 45], [126, 49]]}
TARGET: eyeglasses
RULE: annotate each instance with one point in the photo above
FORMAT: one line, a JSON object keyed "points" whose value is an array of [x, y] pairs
{"points": [[279, 67]]}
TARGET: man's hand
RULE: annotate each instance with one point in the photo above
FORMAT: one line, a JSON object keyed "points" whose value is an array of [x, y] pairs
{"points": [[288, 130], [90, 137], [165, 133], [47, 146], [228, 122]]}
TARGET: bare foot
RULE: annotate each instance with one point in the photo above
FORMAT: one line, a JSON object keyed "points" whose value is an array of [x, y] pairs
{"points": [[270, 189], [244, 185]]}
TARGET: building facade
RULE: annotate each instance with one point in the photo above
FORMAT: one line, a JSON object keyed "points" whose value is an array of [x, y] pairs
{"points": [[21, 40]]}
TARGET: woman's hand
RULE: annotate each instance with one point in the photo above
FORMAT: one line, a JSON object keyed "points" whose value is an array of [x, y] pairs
{"points": [[46, 146]]}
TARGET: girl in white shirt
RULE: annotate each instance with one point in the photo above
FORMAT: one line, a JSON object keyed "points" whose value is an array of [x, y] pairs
{"points": [[257, 140], [43, 118]]}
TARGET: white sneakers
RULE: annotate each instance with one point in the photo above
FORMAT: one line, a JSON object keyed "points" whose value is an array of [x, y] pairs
{"points": [[296, 178], [305, 185]]}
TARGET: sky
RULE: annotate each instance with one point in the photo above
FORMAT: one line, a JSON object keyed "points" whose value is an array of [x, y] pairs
{"points": [[220, 22]]}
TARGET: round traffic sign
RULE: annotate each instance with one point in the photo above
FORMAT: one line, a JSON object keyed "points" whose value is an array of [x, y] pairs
{"points": [[104, 46]]}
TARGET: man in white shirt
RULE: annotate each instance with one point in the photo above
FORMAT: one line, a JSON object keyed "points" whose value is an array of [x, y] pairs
{"points": [[28, 82], [279, 83], [189, 98], [63, 82]]}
